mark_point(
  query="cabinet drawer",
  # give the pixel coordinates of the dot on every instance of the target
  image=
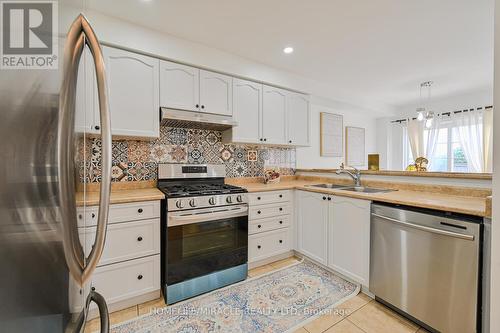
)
(268, 244)
(120, 212)
(269, 197)
(125, 241)
(273, 223)
(128, 279)
(264, 211)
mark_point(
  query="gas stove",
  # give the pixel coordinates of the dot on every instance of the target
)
(197, 186)
(204, 230)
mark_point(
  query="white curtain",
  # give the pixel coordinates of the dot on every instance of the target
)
(488, 139)
(470, 132)
(432, 138)
(423, 140)
(415, 130)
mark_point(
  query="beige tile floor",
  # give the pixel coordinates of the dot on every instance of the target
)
(360, 314)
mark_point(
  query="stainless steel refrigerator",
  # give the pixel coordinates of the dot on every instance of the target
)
(45, 273)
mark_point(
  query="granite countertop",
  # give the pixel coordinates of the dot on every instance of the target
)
(91, 198)
(471, 205)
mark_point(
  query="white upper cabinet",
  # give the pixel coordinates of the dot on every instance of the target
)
(247, 111)
(133, 88)
(216, 93)
(312, 225)
(87, 103)
(349, 238)
(274, 115)
(180, 86)
(298, 119)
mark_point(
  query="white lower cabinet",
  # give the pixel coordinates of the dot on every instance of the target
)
(268, 244)
(312, 225)
(335, 231)
(349, 238)
(128, 279)
(269, 225)
(129, 269)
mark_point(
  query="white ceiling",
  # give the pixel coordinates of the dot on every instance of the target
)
(373, 49)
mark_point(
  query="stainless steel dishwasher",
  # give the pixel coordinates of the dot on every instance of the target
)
(426, 264)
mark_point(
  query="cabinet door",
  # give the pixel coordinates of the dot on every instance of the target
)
(247, 111)
(180, 86)
(133, 86)
(273, 115)
(86, 103)
(216, 93)
(297, 119)
(312, 224)
(349, 238)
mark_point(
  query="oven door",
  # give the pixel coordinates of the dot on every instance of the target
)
(204, 241)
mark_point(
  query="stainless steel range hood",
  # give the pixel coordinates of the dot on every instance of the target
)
(198, 120)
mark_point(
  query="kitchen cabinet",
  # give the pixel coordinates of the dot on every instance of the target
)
(247, 112)
(269, 226)
(274, 115)
(312, 225)
(129, 269)
(179, 86)
(189, 88)
(335, 231)
(133, 95)
(216, 93)
(349, 238)
(133, 88)
(297, 118)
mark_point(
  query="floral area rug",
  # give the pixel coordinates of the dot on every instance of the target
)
(279, 301)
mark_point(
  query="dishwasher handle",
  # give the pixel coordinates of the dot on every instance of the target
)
(424, 228)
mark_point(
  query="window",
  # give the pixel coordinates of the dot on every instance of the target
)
(448, 154)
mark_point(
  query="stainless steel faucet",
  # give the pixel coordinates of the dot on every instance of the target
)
(356, 175)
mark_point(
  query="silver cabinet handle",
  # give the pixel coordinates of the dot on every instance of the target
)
(424, 228)
(79, 35)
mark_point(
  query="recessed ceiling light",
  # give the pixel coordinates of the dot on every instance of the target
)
(288, 49)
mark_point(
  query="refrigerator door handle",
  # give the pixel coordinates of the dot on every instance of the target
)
(80, 34)
(99, 300)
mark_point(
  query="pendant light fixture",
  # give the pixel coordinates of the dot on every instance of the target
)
(423, 113)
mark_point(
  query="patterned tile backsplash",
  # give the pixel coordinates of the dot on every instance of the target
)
(137, 160)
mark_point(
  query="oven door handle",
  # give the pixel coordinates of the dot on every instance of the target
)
(178, 218)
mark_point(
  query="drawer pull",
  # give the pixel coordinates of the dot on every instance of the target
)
(139, 277)
(281, 222)
(140, 210)
(281, 195)
(324, 198)
(281, 241)
(93, 215)
(258, 198)
(281, 209)
(329, 199)
(258, 212)
(80, 216)
(258, 246)
(139, 239)
(93, 288)
(259, 226)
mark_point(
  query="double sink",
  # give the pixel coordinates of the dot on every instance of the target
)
(361, 189)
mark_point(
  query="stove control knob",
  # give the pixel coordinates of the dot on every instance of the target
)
(229, 199)
(211, 201)
(179, 204)
(192, 203)
(239, 198)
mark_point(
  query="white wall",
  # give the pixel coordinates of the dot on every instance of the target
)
(495, 225)
(309, 157)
